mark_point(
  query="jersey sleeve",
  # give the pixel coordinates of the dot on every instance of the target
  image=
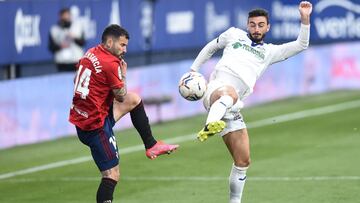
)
(210, 48)
(224, 37)
(284, 51)
(113, 75)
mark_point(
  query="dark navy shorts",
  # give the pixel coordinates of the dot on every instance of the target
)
(102, 144)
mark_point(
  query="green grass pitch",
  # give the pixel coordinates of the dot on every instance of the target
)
(314, 158)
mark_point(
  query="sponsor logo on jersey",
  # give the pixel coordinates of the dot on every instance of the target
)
(79, 111)
(256, 52)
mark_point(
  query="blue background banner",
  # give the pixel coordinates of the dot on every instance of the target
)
(166, 25)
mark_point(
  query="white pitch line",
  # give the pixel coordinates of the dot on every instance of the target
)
(305, 113)
(189, 178)
(83, 159)
(180, 139)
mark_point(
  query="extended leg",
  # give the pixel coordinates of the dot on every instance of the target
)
(221, 100)
(237, 143)
(133, 104)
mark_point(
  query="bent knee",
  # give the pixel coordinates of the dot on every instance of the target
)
(133, 99)
(113, 174)
(113, 177)
(243, 162)
(222, 91)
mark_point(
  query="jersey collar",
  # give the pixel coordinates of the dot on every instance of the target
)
(254, 44)
(103, 49)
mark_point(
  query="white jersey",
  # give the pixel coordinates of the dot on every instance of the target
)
(245, 59)
(73, 52)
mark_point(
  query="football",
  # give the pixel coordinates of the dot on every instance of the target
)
(192, 86)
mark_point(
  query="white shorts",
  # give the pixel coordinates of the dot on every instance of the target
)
(233, 118)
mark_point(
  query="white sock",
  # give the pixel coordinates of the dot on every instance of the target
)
(218, 108)
(237, 181)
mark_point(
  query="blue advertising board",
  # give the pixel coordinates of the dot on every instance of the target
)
(31, 111)
(163, 25)
(331, 20)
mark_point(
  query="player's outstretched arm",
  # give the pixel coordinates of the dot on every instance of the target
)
(287, 50)
(305, 9)
(204, 55)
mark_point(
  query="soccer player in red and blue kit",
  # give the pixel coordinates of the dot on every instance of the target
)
(100, 100)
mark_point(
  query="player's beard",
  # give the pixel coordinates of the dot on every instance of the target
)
(257, 40)
(120, 54)
(65, 23)
(116, 52)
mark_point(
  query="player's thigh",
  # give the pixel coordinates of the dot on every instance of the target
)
(221, 91)
(131, 100)
(238, 145)
(102, 144)
(221, 83)
(215, 90)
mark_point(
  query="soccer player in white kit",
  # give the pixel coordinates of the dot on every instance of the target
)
(245, 58)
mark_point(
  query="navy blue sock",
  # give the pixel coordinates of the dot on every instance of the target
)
(105, 190)
(141, 123)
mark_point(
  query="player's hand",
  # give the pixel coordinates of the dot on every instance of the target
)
(70, 36)
(305, 8)
(123, 67)
(64, 45)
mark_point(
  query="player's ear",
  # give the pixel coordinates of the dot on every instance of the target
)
(268, 28)
(109, 42)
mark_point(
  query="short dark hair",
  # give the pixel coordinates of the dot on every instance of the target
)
(259, 12)
(114, 31)
(64, 10)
